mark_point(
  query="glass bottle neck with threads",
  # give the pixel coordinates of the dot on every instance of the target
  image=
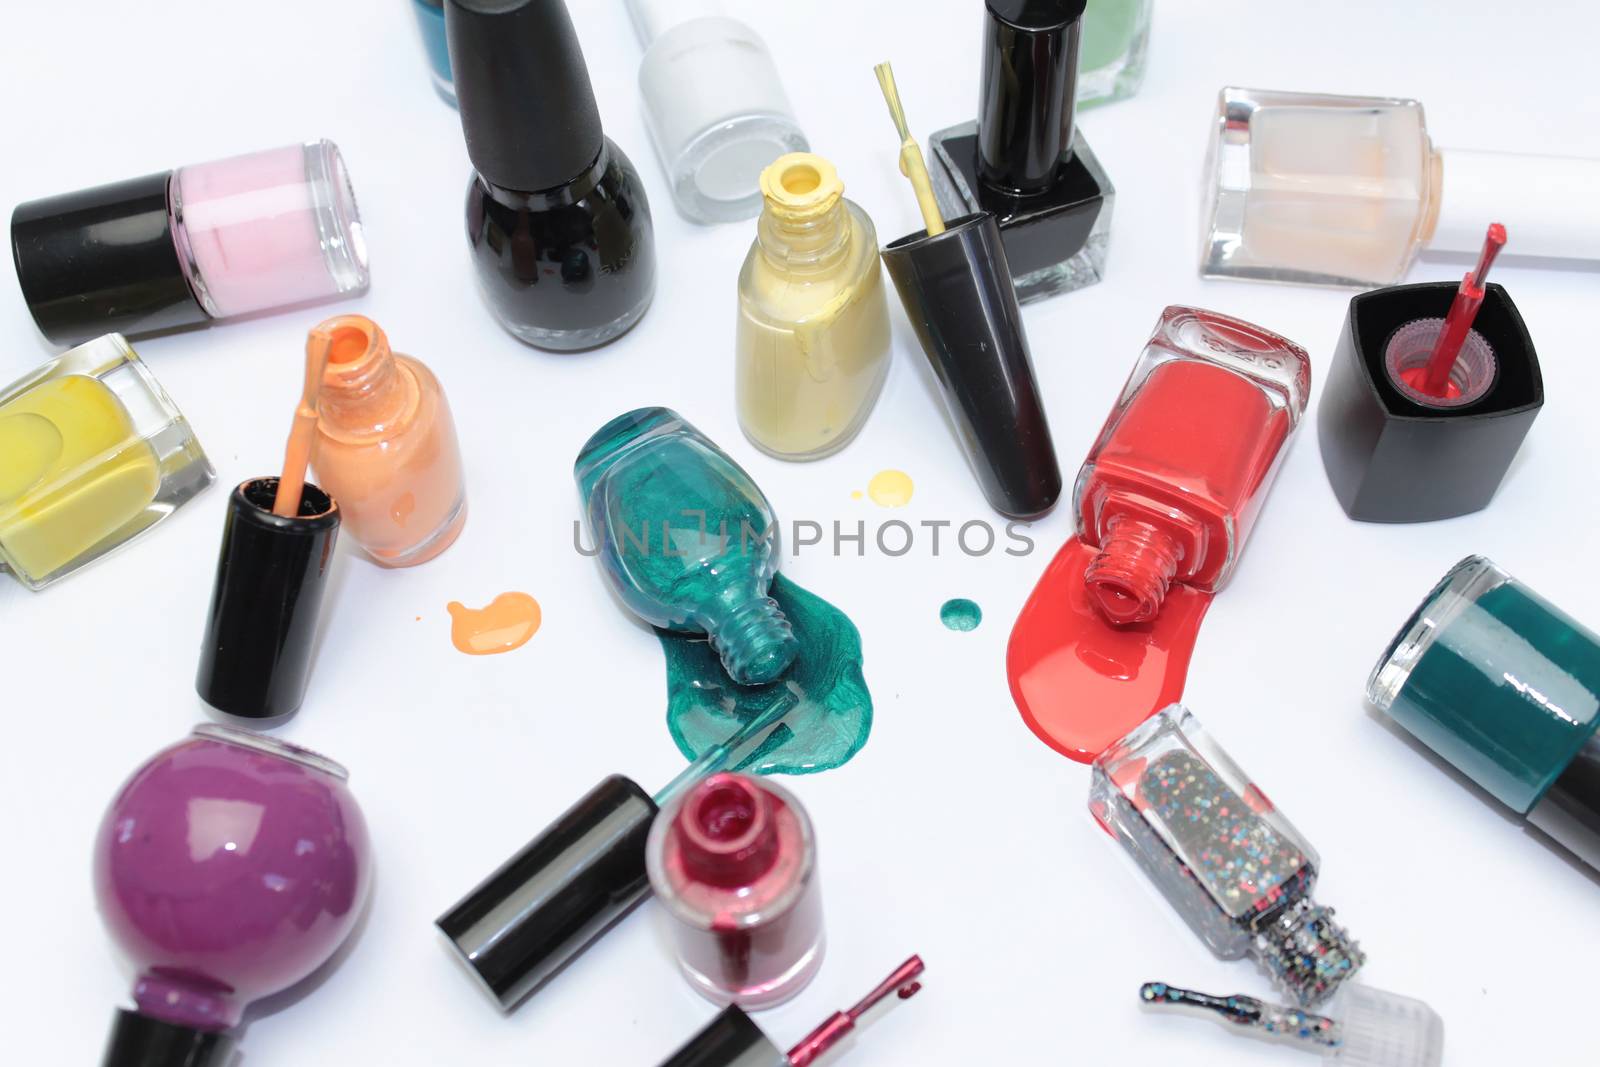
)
(804, 226)
(364, 389)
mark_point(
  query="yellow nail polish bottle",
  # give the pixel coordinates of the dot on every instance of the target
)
(813, 340)
(92, 453)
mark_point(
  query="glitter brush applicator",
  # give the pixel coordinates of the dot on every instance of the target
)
(277, 552)
(955, 283)
(582, 875)
(1361, 1027)
(732, 1039)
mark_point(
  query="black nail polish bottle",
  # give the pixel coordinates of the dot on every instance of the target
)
(556, 215)
(1023, 160)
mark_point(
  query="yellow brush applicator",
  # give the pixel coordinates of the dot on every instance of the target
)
(911, 164)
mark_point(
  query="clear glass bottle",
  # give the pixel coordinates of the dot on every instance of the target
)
(812, 350)
(686, 538)
(386, 447)
(734, 862)
(1173, 486)
(1116, 38)
(715, 106)
(1346, 190)
(1234, 868)
(92, 453)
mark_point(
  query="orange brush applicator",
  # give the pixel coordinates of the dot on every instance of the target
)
(297, 456)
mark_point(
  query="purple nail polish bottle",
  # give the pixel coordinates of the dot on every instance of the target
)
(229, 867)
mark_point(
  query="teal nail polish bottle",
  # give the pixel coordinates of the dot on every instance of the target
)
(1506, 687)
(430, 20)
(686, 538)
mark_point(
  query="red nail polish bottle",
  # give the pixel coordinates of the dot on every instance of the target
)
(1175, 481)
(735, 862)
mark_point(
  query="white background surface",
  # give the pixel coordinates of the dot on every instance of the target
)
(954, 833)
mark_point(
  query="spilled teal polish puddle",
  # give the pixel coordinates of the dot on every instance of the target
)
(828, 725)
(960, 614)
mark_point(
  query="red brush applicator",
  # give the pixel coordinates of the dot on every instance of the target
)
(1447, 378)
(733, 1040)
(1469, 298)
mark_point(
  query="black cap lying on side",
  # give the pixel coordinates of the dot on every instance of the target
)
(557, 896)
(957, 292)
(729, 1040)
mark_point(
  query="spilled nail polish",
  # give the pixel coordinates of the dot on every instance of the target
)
(834, 714)
(507, 623)
(890, 489)
(960, 614)
(1081, 684)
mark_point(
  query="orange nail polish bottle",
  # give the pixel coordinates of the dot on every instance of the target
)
(386, 447)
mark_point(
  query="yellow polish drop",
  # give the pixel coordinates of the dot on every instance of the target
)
(507, 623)
(890, 489)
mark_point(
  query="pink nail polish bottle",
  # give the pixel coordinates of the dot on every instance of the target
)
(182, 247)
(734, 861)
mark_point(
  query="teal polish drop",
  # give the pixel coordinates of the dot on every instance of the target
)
(1507, 685)
(960, 614)
(827, 727)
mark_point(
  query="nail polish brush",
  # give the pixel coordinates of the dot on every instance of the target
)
(277, 551)
(1361, 1027)
(732, 1039)
(297, 456)
(1458, 366)
(583, 874)
(956, 286)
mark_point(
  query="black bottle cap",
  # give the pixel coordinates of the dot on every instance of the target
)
(1028, 92)
(1569, 811)
(1391, 459)
(527, 107)
(729, 1040)
(140, 1041)
(102, 260)
(555, 898)
(957, 292)
(255, 656)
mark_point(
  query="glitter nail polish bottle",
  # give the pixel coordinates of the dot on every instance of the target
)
(1220, 852)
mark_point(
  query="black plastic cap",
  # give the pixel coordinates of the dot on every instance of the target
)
(556, 897)
(729, 1040)
(102, 260)
(1569, 811)
(255, 657)
(1028, 92)
(527, 107)
(1390, 459)
(140, 1041)
(957, 292)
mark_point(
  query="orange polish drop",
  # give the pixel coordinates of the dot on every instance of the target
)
(507, 623)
